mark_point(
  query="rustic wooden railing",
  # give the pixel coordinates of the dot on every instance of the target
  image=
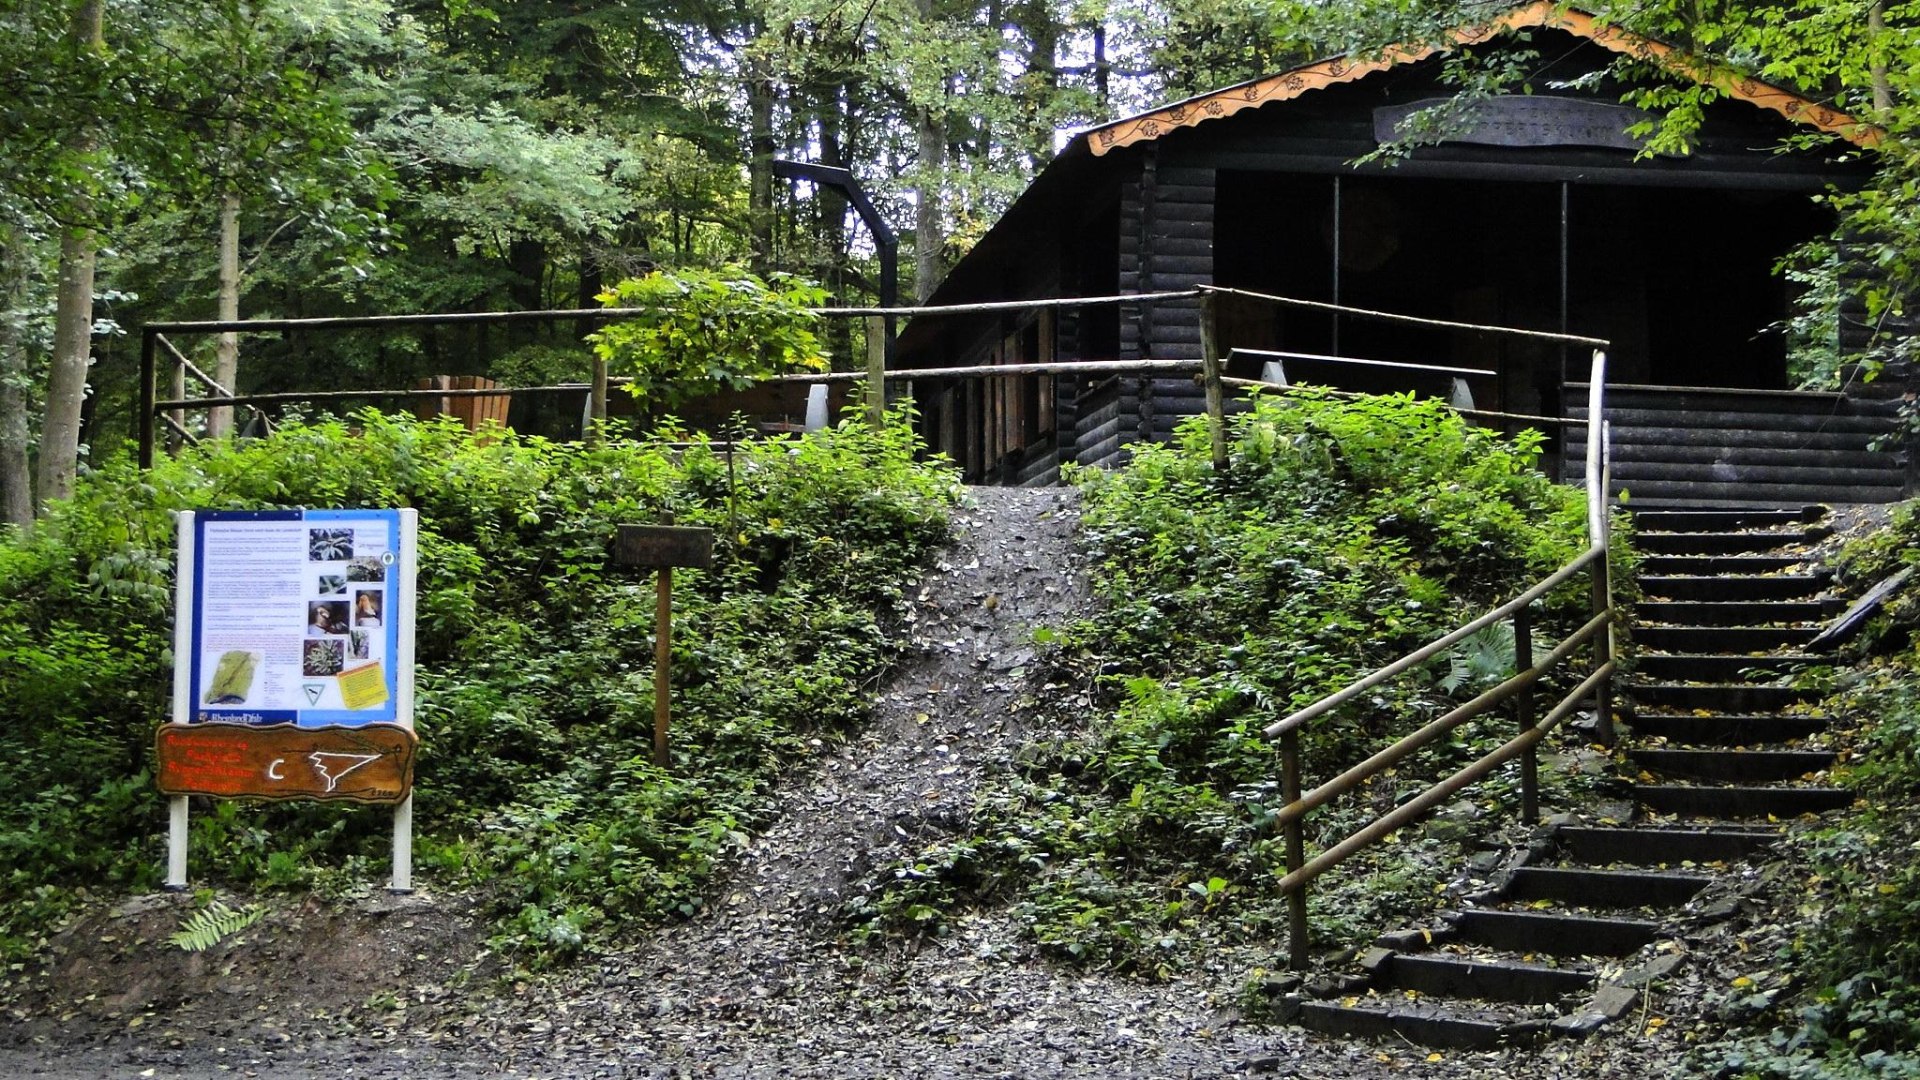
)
(1596, 631)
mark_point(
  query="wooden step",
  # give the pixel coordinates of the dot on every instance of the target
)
(1720, 697)
(1720, 729)
(1724, 639)
(1726, 587)
(1552, 933)
(1727, 543)
(1720, 667)
(1660, 845)
(1735, 766)
(1421, 1024)
(1481, 980)
(1734, 802)
(1647, 521)
(1736, 612)
(1603, 888)
(1703, 565)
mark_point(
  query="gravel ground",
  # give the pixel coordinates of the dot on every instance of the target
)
(762, 983)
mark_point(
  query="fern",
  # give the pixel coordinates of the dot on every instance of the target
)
(213, 924)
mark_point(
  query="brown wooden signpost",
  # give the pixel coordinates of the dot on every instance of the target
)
(661, 548)
(372, 763)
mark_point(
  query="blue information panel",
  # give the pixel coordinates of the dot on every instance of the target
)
(295, 616)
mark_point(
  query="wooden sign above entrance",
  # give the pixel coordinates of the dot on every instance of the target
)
(656, 547)
(372, 763)
(1525, 120)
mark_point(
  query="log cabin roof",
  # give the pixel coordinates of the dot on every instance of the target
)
(1542, 14)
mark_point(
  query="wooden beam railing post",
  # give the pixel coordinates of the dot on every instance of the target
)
(1210, 374)
(1295, 832)
(876, 371)
(597, 402)
(1523, 711)
(147, 420)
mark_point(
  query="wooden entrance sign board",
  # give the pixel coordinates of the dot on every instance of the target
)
(372, 763)
(660, 548)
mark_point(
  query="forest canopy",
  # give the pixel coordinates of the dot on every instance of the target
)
(184, 159)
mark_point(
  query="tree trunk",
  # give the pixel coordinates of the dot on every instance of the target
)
(930, 139)
(73, 305)
(16, 477)
(226, 356)
(760, 162)
(928, 238)
(67, 377)
(1877, 44)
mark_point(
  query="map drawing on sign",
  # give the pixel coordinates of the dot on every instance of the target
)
(334, 766)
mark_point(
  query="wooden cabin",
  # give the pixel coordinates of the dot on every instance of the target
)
(1544, 215)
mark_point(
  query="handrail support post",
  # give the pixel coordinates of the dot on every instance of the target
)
(1523, 712)
(1295, 831)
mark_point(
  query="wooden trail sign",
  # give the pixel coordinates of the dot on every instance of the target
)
(660, 548)
(372, 763)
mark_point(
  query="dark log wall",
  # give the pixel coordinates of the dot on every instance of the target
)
(1166, 245)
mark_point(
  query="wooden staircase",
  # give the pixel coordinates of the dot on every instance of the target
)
(1571, 932)
(1693, 446)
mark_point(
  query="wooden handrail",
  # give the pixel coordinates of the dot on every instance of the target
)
(1411, 810)
(1431, 649)
(1518, 688)
(1433, 729)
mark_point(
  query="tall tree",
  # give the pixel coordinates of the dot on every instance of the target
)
(73, 313)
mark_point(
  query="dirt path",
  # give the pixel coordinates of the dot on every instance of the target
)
(762, 983)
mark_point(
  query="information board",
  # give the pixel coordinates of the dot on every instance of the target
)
(295, 617)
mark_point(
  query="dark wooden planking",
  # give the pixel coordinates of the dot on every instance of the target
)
(1796, 441)
(1624, 451)
(1811, 474)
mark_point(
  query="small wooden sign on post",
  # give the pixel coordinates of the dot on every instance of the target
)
(660, 548)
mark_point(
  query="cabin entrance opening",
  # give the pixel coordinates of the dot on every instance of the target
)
(1679, 278)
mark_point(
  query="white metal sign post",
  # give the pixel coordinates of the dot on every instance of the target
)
(293, 665)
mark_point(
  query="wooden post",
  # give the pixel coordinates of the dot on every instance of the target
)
(662, 660)
(1523, 712)
(147, 396)
(1210, 368)
(1297, 957)
(876, 371)
(660, 548)
(597, 402)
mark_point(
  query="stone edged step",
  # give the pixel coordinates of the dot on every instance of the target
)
(1422, 1025)
(1648, 521)
(1734, 766)
(1722, 639)
(1603, 888)
(1733, 612)
(1725, 587)
(1720, 667)
(1660, 845)
(1481, 980)
(1720, 697)
(1553, 934)
(1735, 801)
(1705, 565)
(1721, 729)
(1726, 543)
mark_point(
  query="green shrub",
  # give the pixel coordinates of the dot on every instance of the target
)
(535, 661)
(1343, 534)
